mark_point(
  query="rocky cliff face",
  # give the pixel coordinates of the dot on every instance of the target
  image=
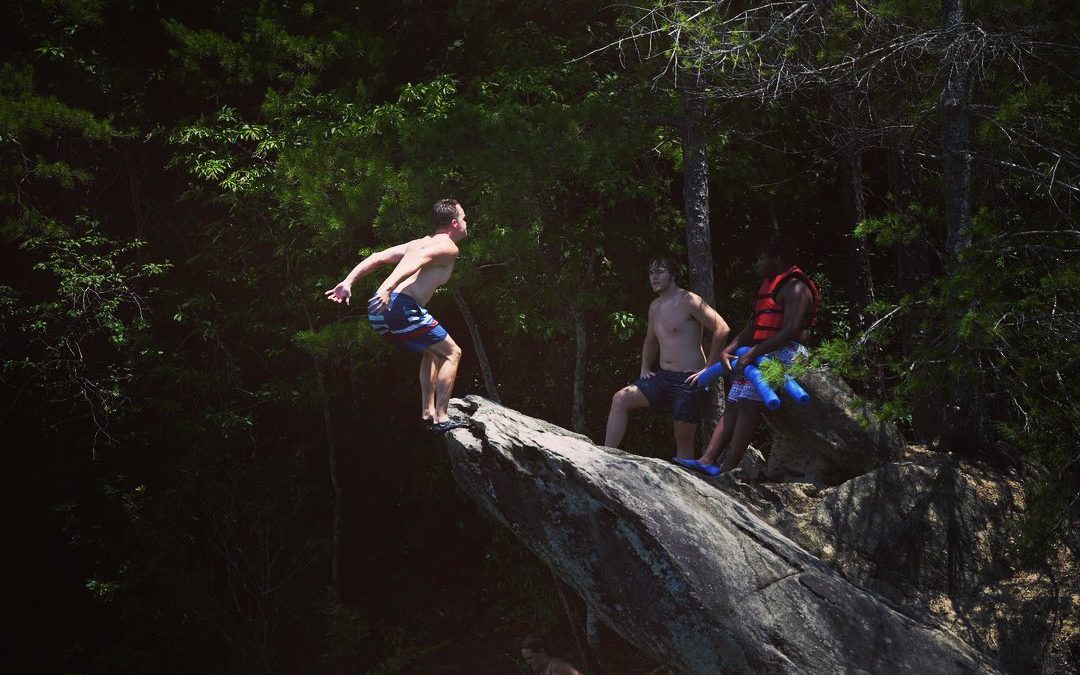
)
(696, 571)
(931, 535)
(835, 437)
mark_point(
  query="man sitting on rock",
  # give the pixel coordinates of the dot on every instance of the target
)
(673, 335)
(785, 308)
(539, 661)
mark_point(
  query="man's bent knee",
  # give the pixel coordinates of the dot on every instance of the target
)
(619, 398)
(628, 397)
(447, 350)
(454, 354)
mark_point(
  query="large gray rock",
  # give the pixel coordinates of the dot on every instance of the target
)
(834, 437)
(909, 529)
(678, 567)
(933, 536)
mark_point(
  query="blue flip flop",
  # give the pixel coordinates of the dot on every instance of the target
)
(687, 463)
(708, 469)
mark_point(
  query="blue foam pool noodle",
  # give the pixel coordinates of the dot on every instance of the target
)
(768, 396)
(710, 374)
(795, 392)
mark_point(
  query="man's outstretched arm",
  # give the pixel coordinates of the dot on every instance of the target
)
(389, 256)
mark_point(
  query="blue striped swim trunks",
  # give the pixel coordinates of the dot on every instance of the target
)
(742, 388)
(405, 323)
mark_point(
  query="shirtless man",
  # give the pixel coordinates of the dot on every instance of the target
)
(539, 661)
(397, 308)
(676, 319)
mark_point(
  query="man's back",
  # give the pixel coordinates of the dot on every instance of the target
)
(433, 273)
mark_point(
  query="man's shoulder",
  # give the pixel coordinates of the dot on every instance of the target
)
(795, 283)
(439, 244)
(561, 667)
(690, 298)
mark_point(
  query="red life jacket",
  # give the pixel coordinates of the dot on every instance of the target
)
(769, 314)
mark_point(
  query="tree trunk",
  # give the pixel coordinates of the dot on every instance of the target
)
(581, 345)
(589, 660)
(860, 281)
(331, 448)
(696, 208)
(955, 135)
(696, 190)
(578, 423)
(912, 271)
(478, 346)
(964, 416)
(860, 278)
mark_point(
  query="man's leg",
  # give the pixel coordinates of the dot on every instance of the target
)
(721, 435)
(427, 386)
(446, 356)
(624, 400)
(745, 426)
(684, 439)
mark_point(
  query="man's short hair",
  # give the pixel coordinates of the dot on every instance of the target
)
(665, 262)
(534, 645)
(444, 211)
(780, 245)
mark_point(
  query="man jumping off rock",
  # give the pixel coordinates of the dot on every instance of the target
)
(397, 308)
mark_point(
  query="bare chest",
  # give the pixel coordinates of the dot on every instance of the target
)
(675, 321)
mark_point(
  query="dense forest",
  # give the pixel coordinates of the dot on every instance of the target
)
(212, 469)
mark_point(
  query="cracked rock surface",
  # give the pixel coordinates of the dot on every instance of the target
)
(680, 568)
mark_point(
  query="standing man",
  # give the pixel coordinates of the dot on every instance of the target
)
(397, 308)
(784, 311)
(539, 661)
(676, 319)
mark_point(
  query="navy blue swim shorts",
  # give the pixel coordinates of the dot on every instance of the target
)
(668, 386)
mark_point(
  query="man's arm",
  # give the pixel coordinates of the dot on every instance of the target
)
(742, 338)
(389, 256)
(650, 349)
(415, 258)
(711, 321)
(796, 299)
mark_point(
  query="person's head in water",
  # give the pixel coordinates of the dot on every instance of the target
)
(661, 273)
(535, 653)
(448, 216)
(776, 254)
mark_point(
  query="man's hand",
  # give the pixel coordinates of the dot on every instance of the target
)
(745, 360)
(645, 372)
(692, 380)
(728, 355)
(339, 293)
(383, 294)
